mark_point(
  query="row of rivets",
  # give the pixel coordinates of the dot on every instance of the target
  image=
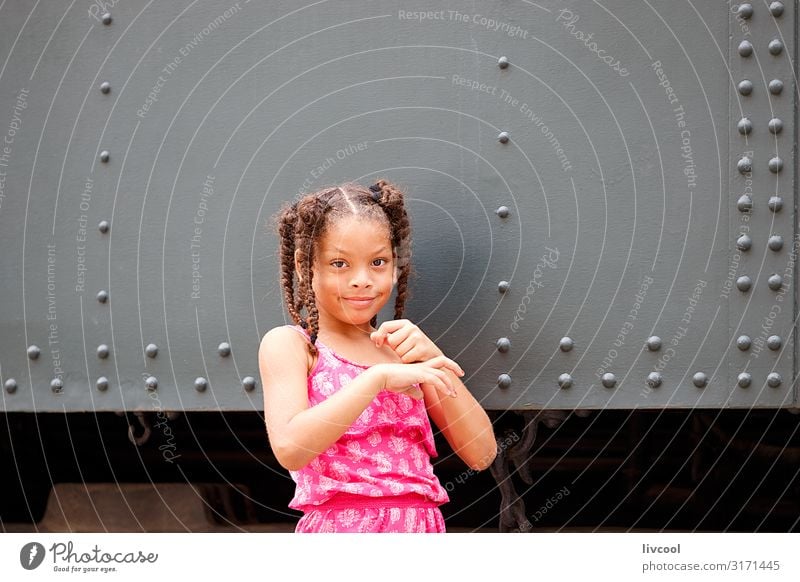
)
(745, 86)
(224, 349)
(745, 126)
(653, 343)
(745, 379)
(745, 203)
(745, 283)
(774, 342)
(565, 344)
(654, 380)
(151, 383)
(744, 242)
(745, 165)
(745, 10)
(775, 47)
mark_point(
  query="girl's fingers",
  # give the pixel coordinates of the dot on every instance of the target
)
(445, 362)
(444, 385)
(393, 328)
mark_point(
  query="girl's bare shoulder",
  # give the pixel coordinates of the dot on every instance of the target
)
(284, 344)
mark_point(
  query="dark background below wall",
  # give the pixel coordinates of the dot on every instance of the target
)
(612, 470)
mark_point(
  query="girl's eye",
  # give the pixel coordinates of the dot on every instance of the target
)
(379, 262)
(338, 264)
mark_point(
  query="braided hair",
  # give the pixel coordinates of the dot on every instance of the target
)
(303, 223)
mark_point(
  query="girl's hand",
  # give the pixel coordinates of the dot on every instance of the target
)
(400, 377)
(405, 338)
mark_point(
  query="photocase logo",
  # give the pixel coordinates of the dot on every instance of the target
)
(31, 555)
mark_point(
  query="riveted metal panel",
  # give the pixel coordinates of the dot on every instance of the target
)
(584, 154)
(760, 286)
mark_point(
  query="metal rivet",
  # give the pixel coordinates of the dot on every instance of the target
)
(609, 380)
(744, 242)
(745, 48)
(503, 286)
(503, 137)
(504, 380)
(774, 342)
(654, 379)
(151, 383)
(565, 381)
(775, 242)
(200, 384)
(775, 281)
(102, 383)
(102, 351)
(745, 203)
(744, 379)
(566, 344)
(224, 349)
(104, 156)
(744, 283)
(103, 226)
(700, 379)
(775, 46)
(743, 342)
(102, 296)
(10, 385)
(249, 383)
(745, 165)
(775, 86)
(502, 212)
(105, 87)
(33, 352)
(107, 18)
(745, 87)
(775, 165)
(503, 344)
(502, 62)
(745, 126)
(775, 125)
(775, 203)
(776, 9)
(745, 11)
(774, 379)
(151, 350)
(654, 343)
(57, 385)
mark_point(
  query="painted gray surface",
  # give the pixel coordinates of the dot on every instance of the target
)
(614, 220)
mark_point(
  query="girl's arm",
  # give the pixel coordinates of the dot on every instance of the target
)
(462, 420)
(464, 424)
(299, 433)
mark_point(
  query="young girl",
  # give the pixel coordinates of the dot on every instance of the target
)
(346, 405)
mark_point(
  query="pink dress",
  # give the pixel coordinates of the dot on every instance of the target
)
(378, 476)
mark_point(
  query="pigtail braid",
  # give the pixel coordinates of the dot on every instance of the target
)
(392, 200)
(286, 227)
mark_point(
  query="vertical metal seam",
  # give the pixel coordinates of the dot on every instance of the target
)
(794, 70)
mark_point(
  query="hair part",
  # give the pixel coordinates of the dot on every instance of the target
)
(302, 224)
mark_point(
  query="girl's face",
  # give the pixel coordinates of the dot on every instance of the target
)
(354, 272)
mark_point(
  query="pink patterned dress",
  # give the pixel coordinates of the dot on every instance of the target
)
(378, 476)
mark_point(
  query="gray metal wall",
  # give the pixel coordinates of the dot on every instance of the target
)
(620, 137)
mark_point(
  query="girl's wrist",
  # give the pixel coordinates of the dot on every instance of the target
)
(375, 380)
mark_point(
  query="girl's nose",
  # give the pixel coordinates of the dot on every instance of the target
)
(361, 278)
